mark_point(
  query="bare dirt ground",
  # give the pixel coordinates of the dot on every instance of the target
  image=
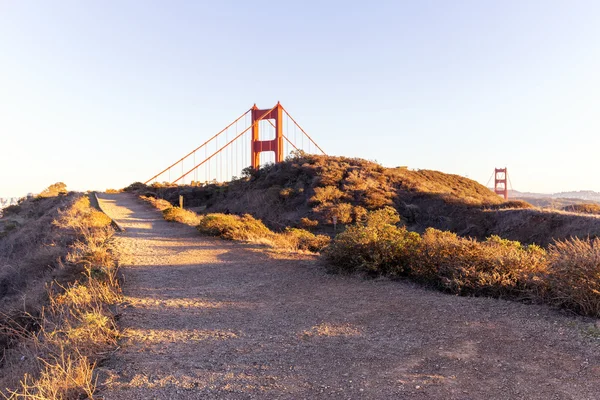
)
(206, 318)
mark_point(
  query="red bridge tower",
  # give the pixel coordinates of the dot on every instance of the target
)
(275, 145)
(501, 182)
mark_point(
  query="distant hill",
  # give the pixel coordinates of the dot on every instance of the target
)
(587, 195)
(557, 200)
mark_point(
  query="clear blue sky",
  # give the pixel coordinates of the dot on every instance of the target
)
(100, 94)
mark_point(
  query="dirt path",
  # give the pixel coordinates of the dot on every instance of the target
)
(208, 318)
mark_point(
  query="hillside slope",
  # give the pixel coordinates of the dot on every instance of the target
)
(324, 188)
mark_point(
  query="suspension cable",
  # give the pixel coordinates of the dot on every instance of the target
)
(197, 148)
(303, 131)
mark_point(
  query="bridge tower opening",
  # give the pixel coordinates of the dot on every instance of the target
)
(501, 182)
(275, 145)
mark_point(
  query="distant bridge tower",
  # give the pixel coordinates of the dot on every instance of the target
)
(501, 182)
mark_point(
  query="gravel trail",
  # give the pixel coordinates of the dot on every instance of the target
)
(211, 319)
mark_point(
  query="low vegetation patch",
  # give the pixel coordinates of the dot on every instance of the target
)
(234, 227)
(160, 204)
(176, 214)
(244, 227)
(51, 354)
(566, 275)
(587, 208)
(520, 204)
(248, 228)
(301, 239)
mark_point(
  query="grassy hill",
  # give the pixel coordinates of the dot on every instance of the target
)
(312, 191)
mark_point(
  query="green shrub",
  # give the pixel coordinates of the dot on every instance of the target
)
(233, 227)
(375, 246)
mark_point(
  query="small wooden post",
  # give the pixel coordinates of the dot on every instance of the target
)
(180, 201)
(334, 223)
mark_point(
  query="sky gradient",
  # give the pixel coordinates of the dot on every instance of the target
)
(102, 94)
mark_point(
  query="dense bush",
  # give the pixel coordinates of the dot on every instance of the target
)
(326, 194)
(308, 223)
(566, 275)
(376, 245)
(233, 227)
(177, 214)
(459, 265)
(300, 239)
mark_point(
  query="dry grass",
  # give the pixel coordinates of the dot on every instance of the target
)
(494, 267)
(76, 327)
(234, 227)
(160, 204)
(62, 378)
(586, 208)
(566, 275)
(301, 239)
(573, 278)
(244, 228)
(332, 330)
(176, 214)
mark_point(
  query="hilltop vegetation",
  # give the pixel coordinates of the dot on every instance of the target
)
(310, 191)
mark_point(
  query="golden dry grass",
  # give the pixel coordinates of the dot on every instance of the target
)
(62, 378)
(160, 204)
(176, 214)
(76, 327)
(587, 208)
